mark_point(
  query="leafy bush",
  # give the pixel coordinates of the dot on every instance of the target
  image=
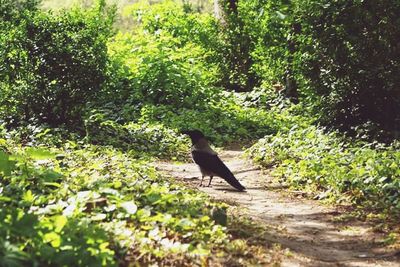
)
(160, 61)
(366, 173)
(236, 49)
(180, 21)
(223, 121)
(93, 206)
(13, 11)
(52, 65)
(348, 51)
(160, 72)
(337, 56)
(148, 138)
(227, 44)
(168, 81)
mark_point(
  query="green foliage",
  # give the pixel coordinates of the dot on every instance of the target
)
(268, 27)
(180, 21)
(348, 51)
(236, 49)
(159, 79)
(341, 54)
(365, 173)
(185, 26)
(222, 121)
(160, 72)
(52, 65)
(95, 201)
(227, 45)
(88, 205)
(339, 57)
(13, 11)
(149, 138)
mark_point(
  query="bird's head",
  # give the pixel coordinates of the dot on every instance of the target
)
(195, 135)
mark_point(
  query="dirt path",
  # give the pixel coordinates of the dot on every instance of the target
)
(304, 226)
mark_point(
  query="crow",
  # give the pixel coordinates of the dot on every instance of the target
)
(209, 162)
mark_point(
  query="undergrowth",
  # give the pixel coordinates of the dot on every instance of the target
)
(91, 205)
(311, 158)
(84, 110)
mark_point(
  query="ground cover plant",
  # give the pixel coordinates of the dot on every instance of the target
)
(86, 107)
(90, 205)
(366, 174)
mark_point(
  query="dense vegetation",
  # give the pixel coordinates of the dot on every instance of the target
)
(85, 108)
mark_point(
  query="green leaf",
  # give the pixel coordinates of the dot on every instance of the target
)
(280, 15)
(52, 184)
(53, 238)
(50, 176)
(5, 199)
(59, 222)
(5, 164)
(129, 206)
(28, 196)
(25, 225)
(39, 153)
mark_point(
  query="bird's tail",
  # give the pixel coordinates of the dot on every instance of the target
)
(231, 179)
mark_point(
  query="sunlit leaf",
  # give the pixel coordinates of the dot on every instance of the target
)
(280, 14)
(39, 153)
(28, 196)
(59, 223)
(129, 206)
(53, 238)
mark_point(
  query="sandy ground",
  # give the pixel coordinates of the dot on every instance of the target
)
(309, 229)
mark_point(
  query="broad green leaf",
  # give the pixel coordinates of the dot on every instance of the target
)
(59, 222)
(28, 196)
(52, 184)
(53, 238)
(5, 199)
(280, 15)
(5, 164)
(39, 153)
(129, 206)
(50, 176)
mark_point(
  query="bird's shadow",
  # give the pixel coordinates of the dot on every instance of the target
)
(231, 189)
(255, 188)
(227, 189)
(235, 190)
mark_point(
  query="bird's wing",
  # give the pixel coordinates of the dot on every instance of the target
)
(214, 164)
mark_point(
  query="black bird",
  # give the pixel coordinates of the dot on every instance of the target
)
(209, 162)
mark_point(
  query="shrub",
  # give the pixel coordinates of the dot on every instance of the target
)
(348, 51)
(227, 44)
(365, 173)
(141, 139)
(160, 72)
(93, 206)
(13, 11)
(224, 120)
(53, 65)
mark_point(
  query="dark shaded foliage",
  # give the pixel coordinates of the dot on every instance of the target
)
(339, 57)
(15, 10)
(352, 62)
(52, 65)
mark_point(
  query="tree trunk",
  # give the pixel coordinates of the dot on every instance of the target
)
(233, 6)
(217, 10)
(291, 87)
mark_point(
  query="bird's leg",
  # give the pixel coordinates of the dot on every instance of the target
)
(209, 183)
(201, 183)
